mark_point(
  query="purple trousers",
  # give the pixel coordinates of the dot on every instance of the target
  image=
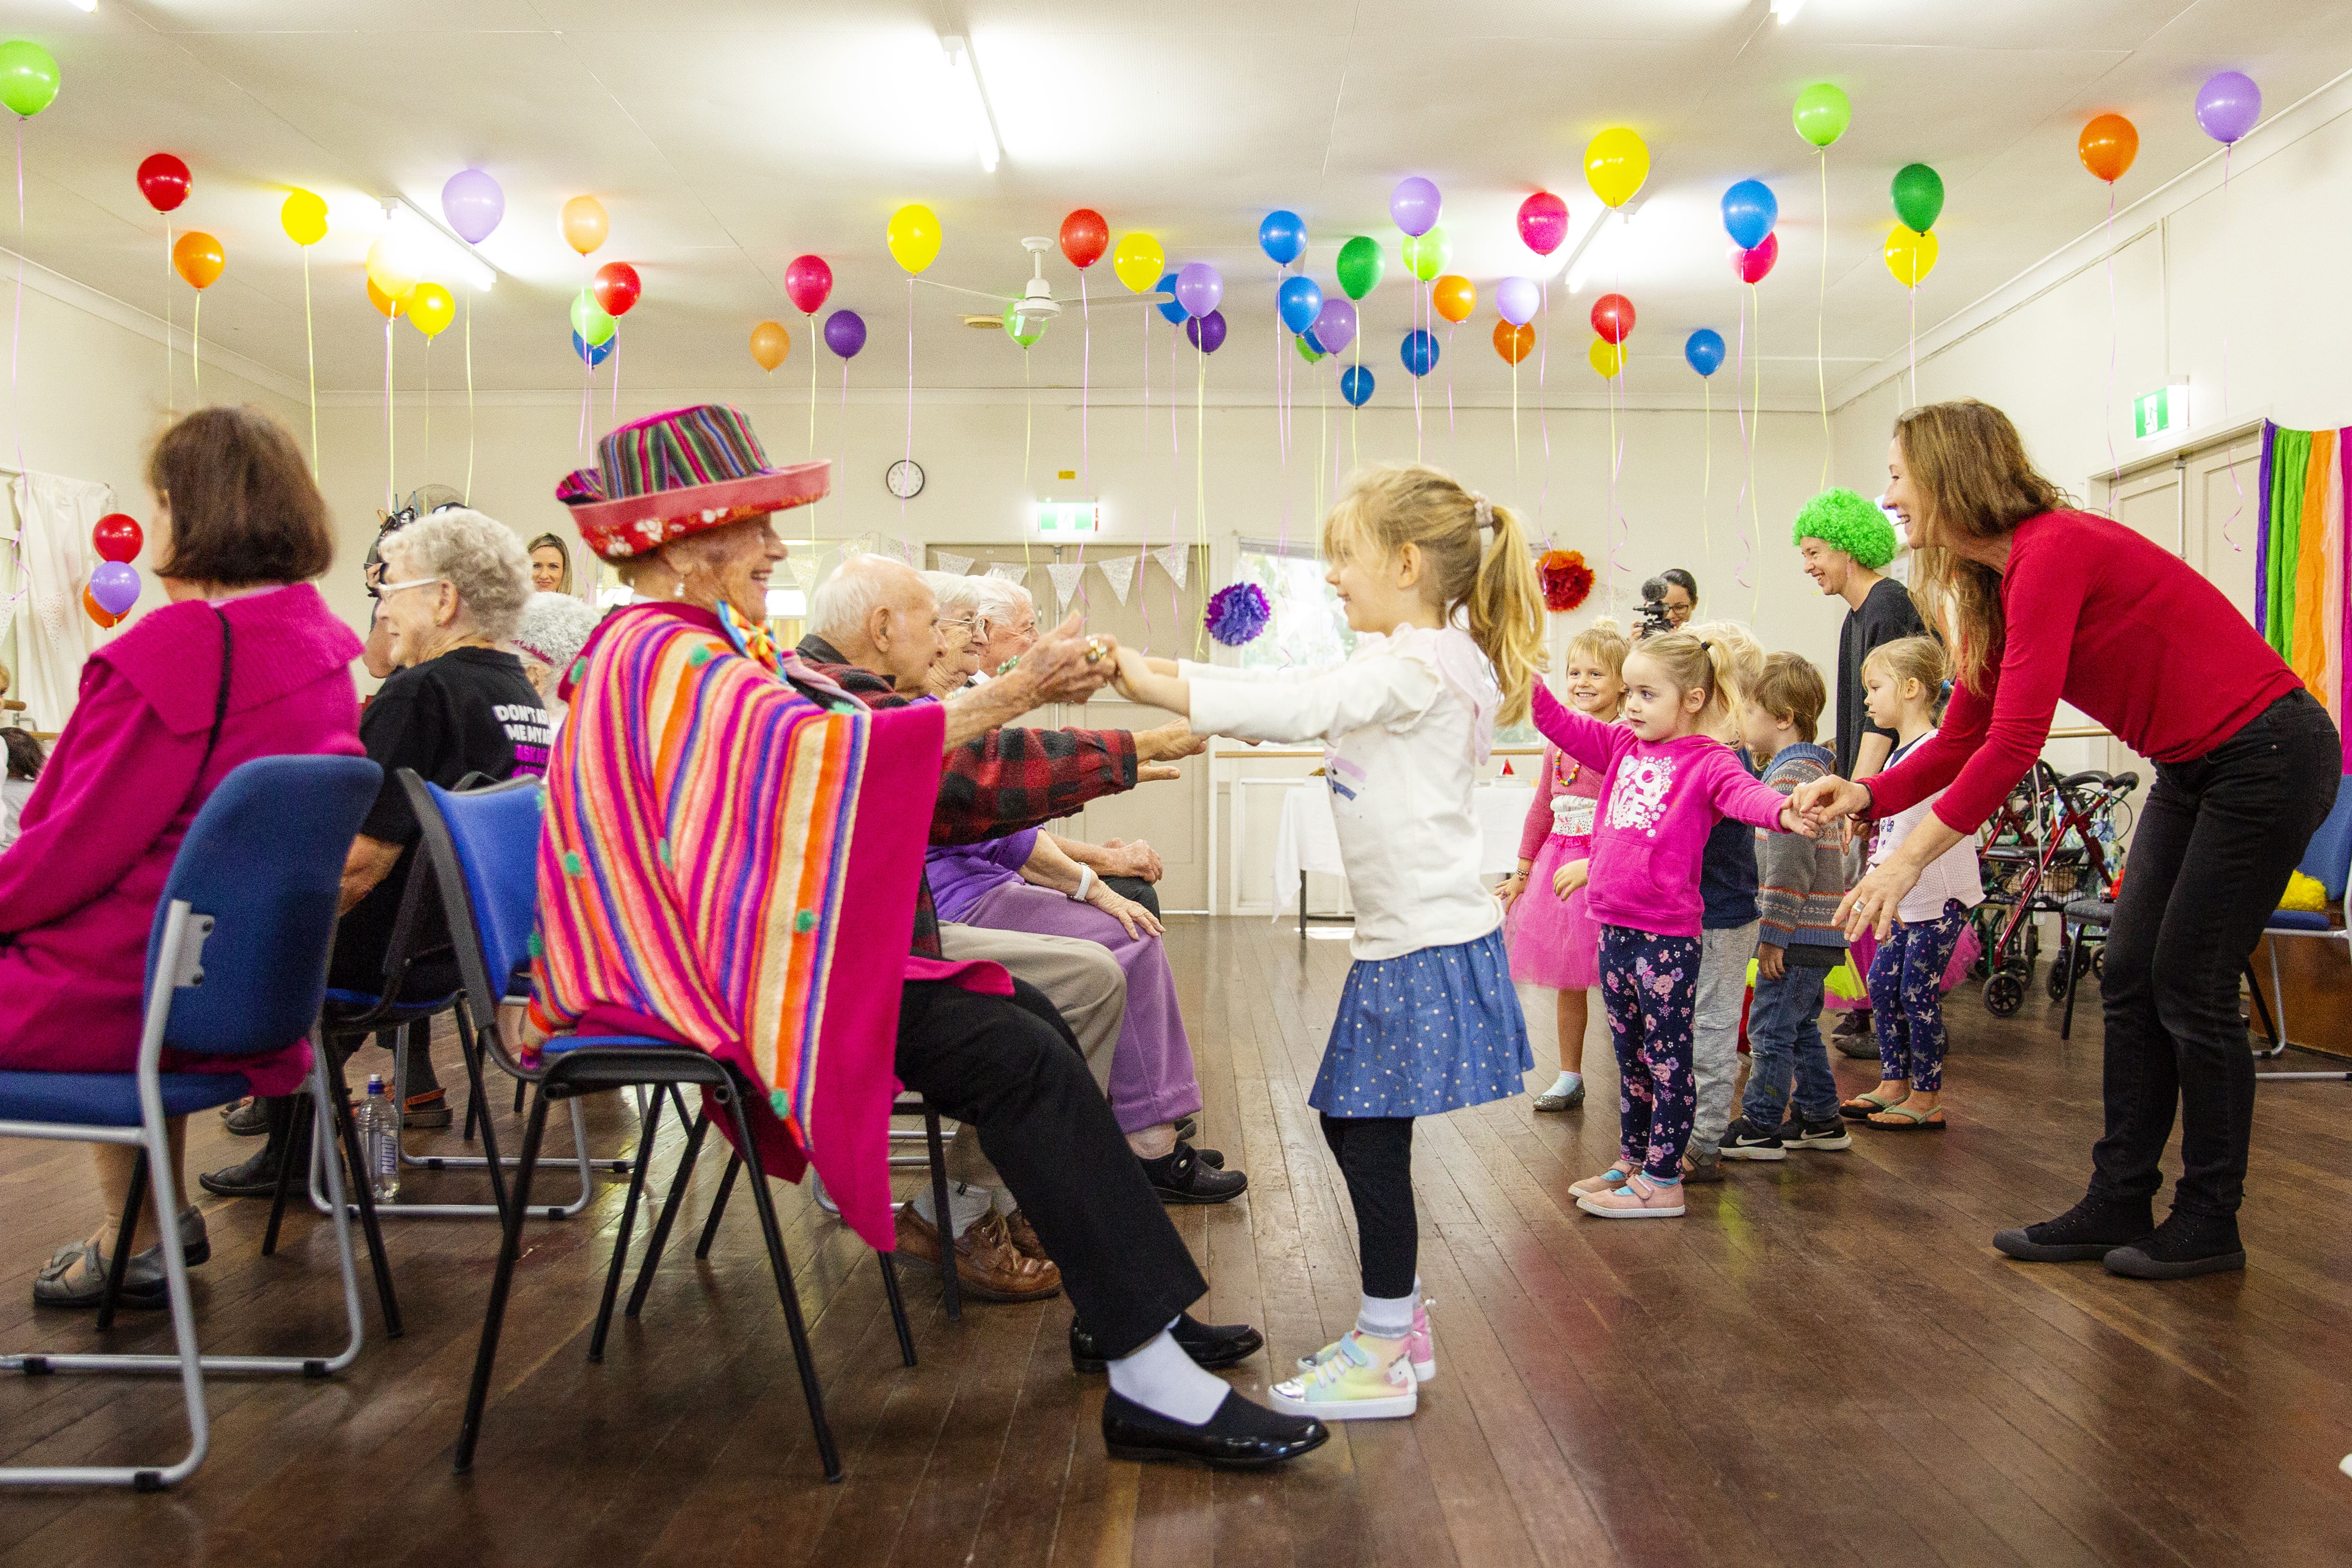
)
(1151, 1077)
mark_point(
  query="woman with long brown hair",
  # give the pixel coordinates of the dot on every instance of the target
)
(2040, 602)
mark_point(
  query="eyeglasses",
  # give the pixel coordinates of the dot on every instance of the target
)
(386, 590)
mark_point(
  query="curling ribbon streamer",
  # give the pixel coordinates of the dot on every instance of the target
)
(470, 398)
(1821, 312)
(2115, 466)
(910, 401)
(2229, 524)
(1739, 412)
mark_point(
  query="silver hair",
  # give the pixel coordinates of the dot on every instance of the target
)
(554, 628)
(956, 594)
(480, 556)
(844, 602)
(1000, 602)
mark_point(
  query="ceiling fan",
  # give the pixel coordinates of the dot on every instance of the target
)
(1037, 303)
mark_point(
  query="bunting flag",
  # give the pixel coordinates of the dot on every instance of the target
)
(1009, 574)
(953, 566)
(1119, 572)
(851, 547)
(1175, 560)
(1066, 575)
(2299, 558)
(803, 572)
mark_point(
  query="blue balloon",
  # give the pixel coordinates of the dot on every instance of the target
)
(1355, 386)
(1301, 301)
(1419, 351)
(1313, 341)
(1749, 211)
(1704, 350)
(592, 352)
(1172, 312)
(1283, 237)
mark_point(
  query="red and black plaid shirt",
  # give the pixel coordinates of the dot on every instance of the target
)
(997, 784)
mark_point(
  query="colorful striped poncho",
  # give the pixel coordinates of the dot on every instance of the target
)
(712, 836)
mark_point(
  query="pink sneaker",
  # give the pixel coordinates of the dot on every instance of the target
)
(1608, 1181)
(1639, 1198)
(1419, 1348)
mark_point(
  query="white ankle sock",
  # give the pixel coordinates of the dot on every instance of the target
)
(1564, 1082)
(967, 1205)
(1163, 1379)
(1388, 1317)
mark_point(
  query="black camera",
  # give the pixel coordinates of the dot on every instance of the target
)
(1652, 617)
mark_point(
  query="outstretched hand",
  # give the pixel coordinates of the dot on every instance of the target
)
(1068, 666)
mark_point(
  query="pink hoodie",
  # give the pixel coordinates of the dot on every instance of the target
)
(1659, 802)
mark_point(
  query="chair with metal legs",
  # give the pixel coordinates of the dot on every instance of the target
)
(236, 966)
(483, 847)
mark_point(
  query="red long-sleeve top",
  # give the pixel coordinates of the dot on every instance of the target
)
(2112, 622)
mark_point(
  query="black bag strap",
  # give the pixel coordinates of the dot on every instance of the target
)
(220, 702)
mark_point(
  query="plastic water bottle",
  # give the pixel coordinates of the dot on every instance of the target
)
(380, 1139)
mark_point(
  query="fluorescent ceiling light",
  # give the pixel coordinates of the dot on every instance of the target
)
(434, 251)
(787, 605)
(1584, 257)
(1787, 10)
(967, 88)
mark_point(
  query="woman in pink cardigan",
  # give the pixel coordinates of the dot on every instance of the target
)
(239, 532)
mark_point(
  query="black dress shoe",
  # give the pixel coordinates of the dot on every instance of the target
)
(1240, 1437)
(1211, 1346)
(257, 1177)
(1183, 1177)
(250, 1119)
(2183, 1246)
(2091, 1229)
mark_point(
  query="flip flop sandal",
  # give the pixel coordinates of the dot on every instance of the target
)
(1913, 1120)
(1863, 1107)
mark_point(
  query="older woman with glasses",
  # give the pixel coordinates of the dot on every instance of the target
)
(960, 603)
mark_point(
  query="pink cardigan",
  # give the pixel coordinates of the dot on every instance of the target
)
(77, 889)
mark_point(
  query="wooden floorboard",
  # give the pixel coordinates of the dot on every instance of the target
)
(1826, 1363)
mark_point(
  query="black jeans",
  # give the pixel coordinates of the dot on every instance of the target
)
(2215, 843)
(1009, 1066)
(1375, 1155)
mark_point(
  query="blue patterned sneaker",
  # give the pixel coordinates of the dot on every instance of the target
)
(1352, 1385)
(1419, 1348)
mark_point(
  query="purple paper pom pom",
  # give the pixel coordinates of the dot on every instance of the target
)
(1237, 613)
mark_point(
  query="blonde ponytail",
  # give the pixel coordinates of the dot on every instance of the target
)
(1506, 614)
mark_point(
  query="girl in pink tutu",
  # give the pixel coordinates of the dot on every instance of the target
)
(1554, 942)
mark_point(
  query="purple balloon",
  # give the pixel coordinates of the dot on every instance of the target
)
(115, 586)
(1198, 287)
(1207, 332)
(1334, 325)
(473, 204)
(1413, 203)
(845, 334)
(1516, 300)
(2228, 105)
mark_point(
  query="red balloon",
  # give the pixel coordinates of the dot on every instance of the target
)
(164, 180)
(1085, 236)
(116, 537)
(617, 287)
(1612, 317)
(1543, 222)
(807, 281)
(1754, 266)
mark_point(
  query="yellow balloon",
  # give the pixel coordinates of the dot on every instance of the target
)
(1608, 359)
(304, 216)
(1616, 161)
(432, 310)
(394, 275)
(1138, 262)
(1910, 256)
(913, 236)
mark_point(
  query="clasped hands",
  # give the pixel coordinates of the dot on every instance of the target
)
(1066, 665)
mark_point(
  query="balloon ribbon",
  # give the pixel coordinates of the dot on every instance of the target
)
(469, 399)
(311, 348)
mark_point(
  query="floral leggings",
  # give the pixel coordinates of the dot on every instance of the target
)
(1649, 986)
(1907, 997)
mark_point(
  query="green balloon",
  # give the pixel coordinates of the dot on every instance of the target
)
(1822, 114)
(28, 77)
(589, 320)
(1014, 320)
(1425, 255)
(1305, 350)
(1919, 196)
(1360, 266)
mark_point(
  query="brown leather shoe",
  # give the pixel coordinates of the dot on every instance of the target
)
(1024, 1236)
(988, 1264)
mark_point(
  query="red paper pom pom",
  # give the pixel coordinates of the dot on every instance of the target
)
(1567, 580)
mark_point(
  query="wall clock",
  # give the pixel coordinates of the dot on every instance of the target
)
(905, 478)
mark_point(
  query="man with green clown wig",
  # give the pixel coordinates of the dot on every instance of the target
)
(1844, 540)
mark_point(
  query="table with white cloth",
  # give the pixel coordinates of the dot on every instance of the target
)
(1308, 840)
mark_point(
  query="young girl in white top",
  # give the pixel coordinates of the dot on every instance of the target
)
(1440, 585)
(1901, 681)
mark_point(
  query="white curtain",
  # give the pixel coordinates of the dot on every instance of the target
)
(54, 635)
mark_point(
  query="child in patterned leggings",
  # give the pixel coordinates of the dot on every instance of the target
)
(1664, 785)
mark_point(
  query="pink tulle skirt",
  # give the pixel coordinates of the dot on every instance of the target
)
(1554, 942)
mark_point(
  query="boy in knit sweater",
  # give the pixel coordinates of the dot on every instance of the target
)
(1799, 881)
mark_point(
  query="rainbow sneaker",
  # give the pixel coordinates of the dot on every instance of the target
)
(1419, 1348)
(1352, 1385)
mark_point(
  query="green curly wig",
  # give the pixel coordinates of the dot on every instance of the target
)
(1844, 521)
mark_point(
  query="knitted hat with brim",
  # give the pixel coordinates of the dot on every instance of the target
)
(1844, 521)
(686, 472)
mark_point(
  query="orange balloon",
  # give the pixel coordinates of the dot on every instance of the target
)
(2108, 146)
(585, 224)
(1454, 296)
(770, 344)
(383, 301)
(198, 257)
(1514, 343)
(96, 612)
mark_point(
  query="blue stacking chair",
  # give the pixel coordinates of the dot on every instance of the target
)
(2328, 862)
(236, 964)
(484, 848)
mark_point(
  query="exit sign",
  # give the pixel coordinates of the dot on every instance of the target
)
(1067, 518)
(2153, 413)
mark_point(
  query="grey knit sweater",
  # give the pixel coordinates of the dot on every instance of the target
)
(1801, 880)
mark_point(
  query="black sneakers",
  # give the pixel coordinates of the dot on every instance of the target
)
(1801, 1132)
(1745, 1141)
(2092, 1228)
(2184, 1246)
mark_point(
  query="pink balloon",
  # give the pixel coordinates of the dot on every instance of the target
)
(1755, 266)
(1543, 223)
(807, 281)
(1517, 299)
